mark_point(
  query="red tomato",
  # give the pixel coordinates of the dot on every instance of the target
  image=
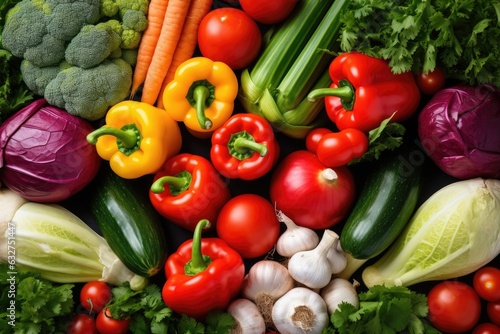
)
(486, 328)
(486, 282)
(313, 138)
(95, 295)
(339, 148)
(249, 225)
(268, 12)
(231, 36)
(493, 311)
(106, 324)
(311, 194)
(431, 82)
(82, 324)
(454, 307)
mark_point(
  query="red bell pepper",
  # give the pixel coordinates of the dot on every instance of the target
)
(365, 91)
(202, 275)
(188, 189)
(244, 147)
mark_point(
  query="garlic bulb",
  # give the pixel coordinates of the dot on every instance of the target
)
(295, 238)
(337, 257)
(300, 311)
(340, 290)
(248, 318)
(314, 268)
(265, 282)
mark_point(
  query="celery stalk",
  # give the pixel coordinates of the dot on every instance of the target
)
(51, 240)
(292, 63)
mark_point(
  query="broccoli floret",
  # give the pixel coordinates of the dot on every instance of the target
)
(134, 20)
(30, 21)
(109, 8)
(139, 5)
(130, 56)
(92, 45)
(37, 78)
(89, 93)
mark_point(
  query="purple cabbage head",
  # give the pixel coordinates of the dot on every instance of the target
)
(460, 131)
(44, 154)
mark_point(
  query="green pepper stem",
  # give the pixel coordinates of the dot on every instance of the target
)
(175, 182)
(344, 92)
(243, 145)
(127, 137)
(199, 262)
(200, 95)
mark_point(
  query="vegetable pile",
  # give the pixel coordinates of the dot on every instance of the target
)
(285, 166)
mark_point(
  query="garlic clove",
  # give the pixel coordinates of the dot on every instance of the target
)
(248, 318)
(340, 290)
(295, 238)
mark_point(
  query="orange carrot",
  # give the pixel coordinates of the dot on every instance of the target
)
(175, 15)
(156, 15)
(188, 41)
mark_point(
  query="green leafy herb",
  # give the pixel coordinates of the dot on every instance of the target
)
(461, 37)
(149, 314)
(384, 310)
(30, 304)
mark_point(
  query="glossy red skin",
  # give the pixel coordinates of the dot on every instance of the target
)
(254, 166)
(454, 307)
(204, 198)
(249, 225)
(108, 325)
(432, 82)
(486, 328)
(486, 282)
(298, 189)
(313, 138)
(208, 290)
(378, 92)
(268, 12)
(231, 36)
(339, 148)
(493, 311)
(82, 324)
(99, 294)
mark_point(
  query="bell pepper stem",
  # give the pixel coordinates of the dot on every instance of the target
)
(345, 91)
(177, 183)
(243, 145)
(198, 262)
(127, 137)
(200, 95)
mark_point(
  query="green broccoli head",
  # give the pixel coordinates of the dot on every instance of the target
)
(35, 29)
(89, 93)
(109, 8)
(139, 5)
(134, 20)
(92, 45)
(37, 78)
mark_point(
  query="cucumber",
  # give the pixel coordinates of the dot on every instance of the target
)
(385, 204)
(129, 223)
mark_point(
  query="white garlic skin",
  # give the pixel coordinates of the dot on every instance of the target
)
(248, 318)
(340, 290)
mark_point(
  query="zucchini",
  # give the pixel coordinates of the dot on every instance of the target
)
(384, 206)
(129, 223)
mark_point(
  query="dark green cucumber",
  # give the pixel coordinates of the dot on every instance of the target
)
(385, 204)
(129, 223)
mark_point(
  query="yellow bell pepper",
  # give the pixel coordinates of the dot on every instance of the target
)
(137, 139)
(201, 95)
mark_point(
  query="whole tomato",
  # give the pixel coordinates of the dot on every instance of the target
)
(82, 324)
(231, 36)
(311, 194)
(339, 148)
(454, 307)
(268, 12)
(249, 225)
(313, 138)
(486, 328)
(493, 311)
(432, 82)
(106, 324)
(95, 295)
(486, 282)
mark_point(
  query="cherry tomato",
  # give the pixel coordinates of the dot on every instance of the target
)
(313, 138)
(486, 282)
(339, 148)
(249, 225)
(82, 324)
(268, 12)
(493, 311)
(231, 36)
(431, 82)
(454, 307)
(486, 328)
(95, 295)
(106, 324)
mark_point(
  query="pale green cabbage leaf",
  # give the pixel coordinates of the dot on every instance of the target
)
(453, 233)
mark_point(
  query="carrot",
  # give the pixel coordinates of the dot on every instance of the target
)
(188, 41)
(170, 34)
(156, 15)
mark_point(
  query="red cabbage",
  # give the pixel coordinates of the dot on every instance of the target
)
(44, 154)
(460, 131)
